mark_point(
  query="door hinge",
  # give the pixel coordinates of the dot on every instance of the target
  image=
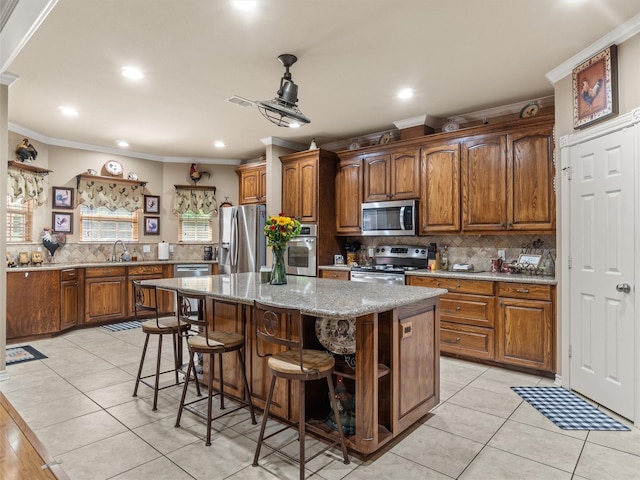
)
(570, 351)
(567, 171)
(570, 262)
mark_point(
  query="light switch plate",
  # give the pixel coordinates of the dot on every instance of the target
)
(171, 248)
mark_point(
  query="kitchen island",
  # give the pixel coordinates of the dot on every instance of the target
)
(393, 373)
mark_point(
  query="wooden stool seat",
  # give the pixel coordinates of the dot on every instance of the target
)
(315, 363)
(164, 326)
(225, 341)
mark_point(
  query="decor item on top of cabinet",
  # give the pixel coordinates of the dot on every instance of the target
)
(132, 176)
(595, 88)
(113, 167)
(62, 222)
(279, 230)
(451, 126)
(384, 138)
(530, 110)
(151, 204)
(313, 145)
(197, 175)
(52, 241)
(63, 198)
(25, 152)
(91, 171)
(152, 225)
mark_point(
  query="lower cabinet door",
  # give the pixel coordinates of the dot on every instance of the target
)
(105, 299)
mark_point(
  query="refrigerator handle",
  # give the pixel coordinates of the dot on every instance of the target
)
(233, 253)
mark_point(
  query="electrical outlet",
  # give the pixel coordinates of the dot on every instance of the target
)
(171, 248)
(146, 248)
(502, 255)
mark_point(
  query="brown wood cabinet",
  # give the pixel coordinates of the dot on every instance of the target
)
(335, 274)
(71, 298)
(392, 175)
(349, 195)
(440, 189)
(33, 303)
(507, 182)
(509, 324)
(308, 194)
(252, 183)
(526, 326)
(105, 294)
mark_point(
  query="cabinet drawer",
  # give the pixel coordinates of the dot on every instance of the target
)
(524, 290)
(475, 310)
(453, 284)
(94, 272)
(335, 274)
(145, 269)
(68, 274)
(466, 340)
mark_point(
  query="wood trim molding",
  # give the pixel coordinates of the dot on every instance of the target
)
(86, 176)
(29, 168)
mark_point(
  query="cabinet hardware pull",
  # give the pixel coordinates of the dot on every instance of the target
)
(448, 340)
(522, 290)
(457, 285)
(458, 308)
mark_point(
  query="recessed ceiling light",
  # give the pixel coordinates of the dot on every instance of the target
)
(68, 111)
(122, 143)
(244, 4)
(132, 73)
(405, 93)
(219, 144)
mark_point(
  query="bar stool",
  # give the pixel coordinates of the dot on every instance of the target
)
(145, 299)
(211, 343)
(298, 364)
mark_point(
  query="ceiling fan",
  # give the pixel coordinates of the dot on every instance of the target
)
(283, 110)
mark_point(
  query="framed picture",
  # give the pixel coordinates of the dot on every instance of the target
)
(63, 197)
(152, 225)
(529, 260)
(151, 204)
(595, 88)
(62, 222)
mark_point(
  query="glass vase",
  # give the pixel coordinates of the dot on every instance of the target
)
(278, 275)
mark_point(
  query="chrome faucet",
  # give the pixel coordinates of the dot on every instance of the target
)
(113, 256)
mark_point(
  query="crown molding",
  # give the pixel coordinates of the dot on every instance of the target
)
(279, 142)
(8, 79)
(623, 32)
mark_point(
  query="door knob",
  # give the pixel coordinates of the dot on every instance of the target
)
(623, 287)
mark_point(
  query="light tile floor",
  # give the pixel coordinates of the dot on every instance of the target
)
(78, 401)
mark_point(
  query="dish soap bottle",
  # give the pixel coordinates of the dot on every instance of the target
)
(444, 259)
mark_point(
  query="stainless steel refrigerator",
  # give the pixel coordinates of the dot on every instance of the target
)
(243, 246)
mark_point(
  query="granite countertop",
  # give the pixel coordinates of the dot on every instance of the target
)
(316, 297)
(494, 277)
(62, 266)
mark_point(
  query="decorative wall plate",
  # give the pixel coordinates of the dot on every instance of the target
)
(337, 336)
(384, 139)
(113, 167)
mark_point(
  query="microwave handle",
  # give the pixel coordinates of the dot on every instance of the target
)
(402, 227)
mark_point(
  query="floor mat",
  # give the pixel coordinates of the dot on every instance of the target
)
(22, 354)
(116, 327)
(567, 410)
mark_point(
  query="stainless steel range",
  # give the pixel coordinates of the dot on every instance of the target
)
(391, 261)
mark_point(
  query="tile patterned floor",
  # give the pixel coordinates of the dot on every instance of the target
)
(78, 401)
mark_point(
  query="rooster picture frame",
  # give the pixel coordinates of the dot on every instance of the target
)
(595, 88)
(151, 204)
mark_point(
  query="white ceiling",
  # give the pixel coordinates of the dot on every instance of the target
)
(353, 56)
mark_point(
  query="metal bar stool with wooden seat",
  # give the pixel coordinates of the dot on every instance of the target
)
(296, 363)
(209, 342)
(145, 299)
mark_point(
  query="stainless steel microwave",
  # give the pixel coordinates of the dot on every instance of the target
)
(394, 218)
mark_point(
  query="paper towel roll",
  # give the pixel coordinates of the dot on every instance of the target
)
(163, 251)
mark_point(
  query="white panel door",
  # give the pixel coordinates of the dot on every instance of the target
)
(602, 265)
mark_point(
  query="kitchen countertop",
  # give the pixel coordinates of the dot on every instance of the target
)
(313, 296)
(487, 276)
(61, 266)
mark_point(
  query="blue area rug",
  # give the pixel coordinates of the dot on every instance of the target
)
(26, 353)
(117, 327)
(567, 410)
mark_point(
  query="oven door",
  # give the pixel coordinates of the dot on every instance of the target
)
(300, 258)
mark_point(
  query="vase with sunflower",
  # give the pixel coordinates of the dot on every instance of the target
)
(279, 230)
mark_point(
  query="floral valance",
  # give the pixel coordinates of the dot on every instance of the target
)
(94, 194)
(25, 185)
(194, 200)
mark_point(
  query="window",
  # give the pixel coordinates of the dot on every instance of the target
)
(19, 220)
(104, 225)
(195, 227)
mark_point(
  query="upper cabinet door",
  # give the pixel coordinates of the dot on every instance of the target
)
(349, 196)
(252, 181)
(531, 196)
(405, 178)
(440, 189)
(484, 183)
(377, 182)
(291, 189)
(309, 191)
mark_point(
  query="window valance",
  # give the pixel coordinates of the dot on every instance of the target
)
(112, 195)
(26, 185)
(195, 199)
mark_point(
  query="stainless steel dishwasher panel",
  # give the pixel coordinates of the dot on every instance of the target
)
(181, 270)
